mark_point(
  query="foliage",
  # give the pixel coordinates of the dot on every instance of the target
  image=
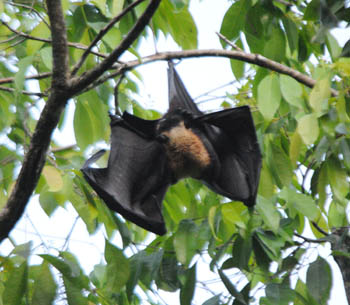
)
(304, 135)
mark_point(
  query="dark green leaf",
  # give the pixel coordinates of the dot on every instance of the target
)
(231, 288)
(16, 285)
(279, 294)
(185, 242)
(44, 290)
(234, 19)
(319, 280)
(241, 252)
(215, 300)
(187, 290)
(118, 269)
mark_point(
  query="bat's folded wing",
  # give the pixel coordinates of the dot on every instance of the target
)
(234, 138)
(134, 183)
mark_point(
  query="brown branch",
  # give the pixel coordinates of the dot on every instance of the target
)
(31, 9)
(61, 90)
(102, 33)
(90, 76)
(38, 76)
(34, 159)
(255, 59)
(11, 90)
(70, 44)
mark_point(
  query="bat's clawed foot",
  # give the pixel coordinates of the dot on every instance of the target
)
(162, 138)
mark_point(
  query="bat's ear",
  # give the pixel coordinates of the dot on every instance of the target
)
(178, 95)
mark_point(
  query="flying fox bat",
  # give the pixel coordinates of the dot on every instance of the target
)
(147, 156)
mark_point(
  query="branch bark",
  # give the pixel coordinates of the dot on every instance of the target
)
(61, 90)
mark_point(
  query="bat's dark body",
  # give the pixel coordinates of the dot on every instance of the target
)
(146, 157)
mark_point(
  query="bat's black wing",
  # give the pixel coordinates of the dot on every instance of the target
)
(136, 178)
(178, 95)
(232, 134)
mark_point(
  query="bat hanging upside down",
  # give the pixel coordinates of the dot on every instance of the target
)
(147, 156)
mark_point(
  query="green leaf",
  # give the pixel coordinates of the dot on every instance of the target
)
(215, 300)
(279, 294)
(269, 96)
(53, 178)
(187, 290)
(23, 66)
(294, 148)
(185, 243)
(231, 288)
(333, 46)
(291, 33)
(241, 251)
(73, 293)
(319, 96)
(16, 285)
(42, 31)
(23, 250)
(83, 125)
(271, 243)
(338, 178)
(269, 213)
(281, 166)
(308, 128)
(319, 280)
(291, 90)
(118, 269)
(275, 47)
(44, 289)
(234, 19)
(336, 215)
(300, 202)
(232, 214)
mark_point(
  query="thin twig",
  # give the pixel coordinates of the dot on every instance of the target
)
(11, 90)
(222, 37)
(102, 33)
(70, 44)
(116, 90)
(319, 229)
(31, 8)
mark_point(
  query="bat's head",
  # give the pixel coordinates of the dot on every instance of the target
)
(174, 118)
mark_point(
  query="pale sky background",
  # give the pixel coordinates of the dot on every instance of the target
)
(199, 76)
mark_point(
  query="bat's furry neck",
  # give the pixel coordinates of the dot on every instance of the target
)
(188, 156)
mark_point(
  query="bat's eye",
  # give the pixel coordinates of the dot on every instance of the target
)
(162, 138)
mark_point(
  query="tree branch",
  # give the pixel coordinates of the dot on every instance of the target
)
(255, 59)
(103, 32)
(90, 76)
(70, 44)
(34, 159)
(61, 91)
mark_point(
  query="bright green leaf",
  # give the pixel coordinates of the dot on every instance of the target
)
(336, 215)
(308, 128)
(53, 178)
(319, 96)
(269, 96)
(291, 90)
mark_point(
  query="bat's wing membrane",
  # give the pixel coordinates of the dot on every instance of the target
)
(178, 95)
(234, 139)
(134, 182)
